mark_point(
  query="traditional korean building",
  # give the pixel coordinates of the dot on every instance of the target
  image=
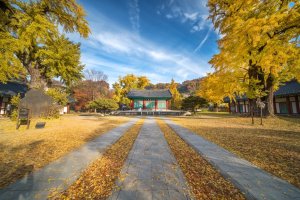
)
(286, 100)
(153, 100)
(7, 91)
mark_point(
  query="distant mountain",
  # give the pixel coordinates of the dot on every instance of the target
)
(186, 88)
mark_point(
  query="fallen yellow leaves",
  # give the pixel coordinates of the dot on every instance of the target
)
(204, 181)
(98, 180)
(24, 151)
(273, 147)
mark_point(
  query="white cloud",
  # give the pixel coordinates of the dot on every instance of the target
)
(117, 52)
(203, 41)
(191, 16)
(134, 46)
(169, 16)
(193, 12)
(134, 15)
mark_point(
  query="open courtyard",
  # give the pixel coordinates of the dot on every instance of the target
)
(149, 100)
(92, 157)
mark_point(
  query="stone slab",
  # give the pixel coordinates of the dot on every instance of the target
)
(60, 174)
(254, 182)
(151, 171)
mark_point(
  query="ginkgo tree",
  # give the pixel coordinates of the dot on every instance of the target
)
(32, 45)
(259, 45)
(176, 96)
(127, 83)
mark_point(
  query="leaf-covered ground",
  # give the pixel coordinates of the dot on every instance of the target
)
(205, 181)
(274, 147)
(22, 151)
(98, 180)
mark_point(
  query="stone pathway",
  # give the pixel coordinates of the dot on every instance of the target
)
(60, 174)
(251, 180)
(151, 171)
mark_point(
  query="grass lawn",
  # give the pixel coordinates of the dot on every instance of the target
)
(275, 146)
(22, 151)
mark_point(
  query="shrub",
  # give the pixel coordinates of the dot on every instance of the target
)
(58, 95)
(15, 102)
(103, 105)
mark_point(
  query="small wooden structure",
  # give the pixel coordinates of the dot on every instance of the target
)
(150, 100)
(23, 118)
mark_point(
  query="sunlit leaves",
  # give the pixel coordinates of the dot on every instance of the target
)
(98, 180)
(127, 83)
(38, 47)
(273, 147)
(176, 96)
(260, 40)
(205, 182)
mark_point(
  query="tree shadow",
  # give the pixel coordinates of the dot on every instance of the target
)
(14, 168)
(276, 151)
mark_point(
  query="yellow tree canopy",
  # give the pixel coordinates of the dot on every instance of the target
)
(32, 45)
(216, 86)
(260, 41)
(127, 83)
(176, 96)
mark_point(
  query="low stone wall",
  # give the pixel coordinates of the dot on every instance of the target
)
(149, 113)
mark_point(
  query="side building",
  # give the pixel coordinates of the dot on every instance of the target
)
(7, 91)
(152, 100)
(286, 100)
(13, 88)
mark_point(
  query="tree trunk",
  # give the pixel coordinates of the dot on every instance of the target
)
(270, 101)
(36, 80)
(270, 106)
(251, 110)
(216, 107)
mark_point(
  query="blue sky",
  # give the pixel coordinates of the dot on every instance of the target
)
(161, 39)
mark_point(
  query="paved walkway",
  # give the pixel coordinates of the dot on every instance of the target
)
(61, 173)
(151, 171)
(254, 182)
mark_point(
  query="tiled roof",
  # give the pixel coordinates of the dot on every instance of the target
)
(12, 88)
(238, 98)
(149, 93)
(290, 88)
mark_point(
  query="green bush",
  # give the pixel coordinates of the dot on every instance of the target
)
(15, 102)
(58, 95)
(103, 105)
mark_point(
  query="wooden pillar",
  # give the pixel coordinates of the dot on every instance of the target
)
(297, 104)
(155, 104)
(238, 106)
(274, 105)
(144, 104)
(131, 104)
(229, 106)
(289, 105)
(1, 99)
(167, 104)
